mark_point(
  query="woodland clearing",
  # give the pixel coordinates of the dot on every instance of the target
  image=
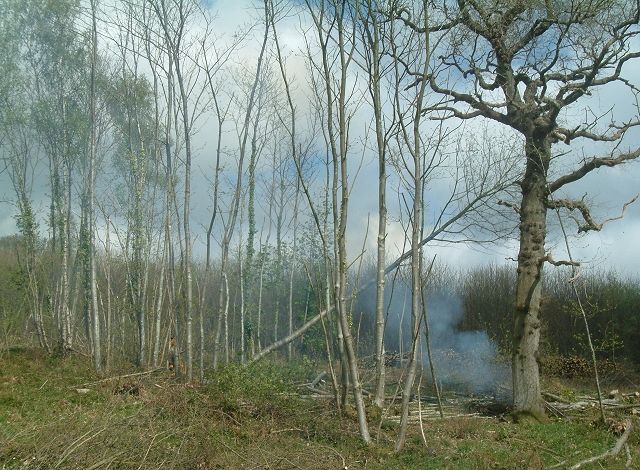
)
(58, 413)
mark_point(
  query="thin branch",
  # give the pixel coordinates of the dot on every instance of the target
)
(591, 165)
(122, 377)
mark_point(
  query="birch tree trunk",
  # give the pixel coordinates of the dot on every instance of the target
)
(372, 37)
(337, 17)
(97, 358)
(230, 225)
(413, 141)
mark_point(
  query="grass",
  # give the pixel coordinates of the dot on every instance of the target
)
(248, 418)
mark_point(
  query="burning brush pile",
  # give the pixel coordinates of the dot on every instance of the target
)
(472, 374)
(482, 380)
(477, 382)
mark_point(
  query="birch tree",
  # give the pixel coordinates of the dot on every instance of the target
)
(93, 282)
(373, 37)
(176, 20)
(244, 131)
(58, 60)
(334, 24)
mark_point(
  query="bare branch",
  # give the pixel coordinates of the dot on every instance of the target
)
(549, 259)
(591, 165)
(581, 206)
(620, 131)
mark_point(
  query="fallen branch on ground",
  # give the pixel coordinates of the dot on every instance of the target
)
(121, 377)
(555, 398)
(615, 451)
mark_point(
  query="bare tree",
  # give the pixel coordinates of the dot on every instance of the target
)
(420, 162)
(213, 61)
(176, 19)
(335, 24)
(244, 131)
(524, 64)
(93, 282)
(374, 31)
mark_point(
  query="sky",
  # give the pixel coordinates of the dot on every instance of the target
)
(616, 246)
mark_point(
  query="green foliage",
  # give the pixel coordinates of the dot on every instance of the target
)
(314, 343)
(488, 297)
(610, 302)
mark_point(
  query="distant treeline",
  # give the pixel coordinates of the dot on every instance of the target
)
(474, 299)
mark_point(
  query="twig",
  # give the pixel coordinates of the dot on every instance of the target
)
(554, 410)
(424, 438)
(558, 465)
(78, 352)
(107, 461)
(615, 451)
(319, 392)
(508, 204)
(344, 462)
(146, 454)
(549, 259)
(77, 443)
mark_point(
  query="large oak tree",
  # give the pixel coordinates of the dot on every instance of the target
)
(531, 65)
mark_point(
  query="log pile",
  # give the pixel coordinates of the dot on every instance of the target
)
(575, 367)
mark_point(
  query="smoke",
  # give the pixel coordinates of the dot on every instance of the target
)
(466, 361)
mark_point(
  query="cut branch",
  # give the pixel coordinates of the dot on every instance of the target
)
(502, 202)
(286, 340)
(122, 377)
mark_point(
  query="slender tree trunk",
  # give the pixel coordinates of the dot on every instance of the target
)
(97, 359)
(222, 305)
(293, 268)
(342, 243)
(186, 215)
(242, 275)
(64, 301)
(259, 308)
(223, 310)
(226, 320)
(294, 154)
(158, 307)
(416, 285)
(417, 153)
(373, 36)
(109, 313)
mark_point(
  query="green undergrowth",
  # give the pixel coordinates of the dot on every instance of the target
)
(57, 413)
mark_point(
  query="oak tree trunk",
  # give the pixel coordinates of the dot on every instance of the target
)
(526, 335)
